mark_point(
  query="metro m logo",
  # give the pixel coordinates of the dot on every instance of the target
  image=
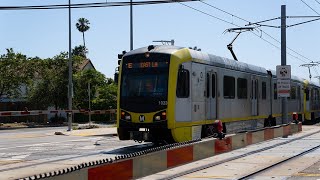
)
(141, 118)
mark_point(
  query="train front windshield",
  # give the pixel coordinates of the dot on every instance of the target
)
(144, 83)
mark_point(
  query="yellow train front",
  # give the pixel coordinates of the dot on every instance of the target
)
(143, 96)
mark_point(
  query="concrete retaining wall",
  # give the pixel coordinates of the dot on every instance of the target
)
(162, 160)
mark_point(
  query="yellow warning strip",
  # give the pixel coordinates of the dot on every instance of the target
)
(308, 174)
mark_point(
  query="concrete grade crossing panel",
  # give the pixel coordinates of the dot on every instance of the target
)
(149, 164)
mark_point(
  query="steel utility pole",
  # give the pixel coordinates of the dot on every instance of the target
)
(131, 27)
(284, 60)
(89, 94)
(70, 75)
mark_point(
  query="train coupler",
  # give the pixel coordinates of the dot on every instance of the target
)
(140, 136)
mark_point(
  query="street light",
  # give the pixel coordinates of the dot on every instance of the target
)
(70, 89)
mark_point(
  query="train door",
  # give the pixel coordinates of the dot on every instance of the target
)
(211, 97)
(299, 98)
(254, 96)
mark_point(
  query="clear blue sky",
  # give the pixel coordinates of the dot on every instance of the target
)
(44, 33)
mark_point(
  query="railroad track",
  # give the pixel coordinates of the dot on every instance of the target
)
(251, 174)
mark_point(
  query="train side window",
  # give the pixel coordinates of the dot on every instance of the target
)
(293, 92)
(208, 85)
(242, 88)
(228, 87)
(256, 89)
(275, 91)
(213, 85)
(183, 83)
(264, 90)
(298, 92)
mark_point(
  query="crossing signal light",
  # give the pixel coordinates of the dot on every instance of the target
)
(116, 74)
(120, 56)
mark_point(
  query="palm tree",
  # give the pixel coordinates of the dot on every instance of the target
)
(83, 26)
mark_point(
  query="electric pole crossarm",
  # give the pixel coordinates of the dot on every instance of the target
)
(257, 23)
(303, 22)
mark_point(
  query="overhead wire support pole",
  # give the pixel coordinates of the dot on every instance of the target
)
(284, 60)
(131, 27)
(70, 88)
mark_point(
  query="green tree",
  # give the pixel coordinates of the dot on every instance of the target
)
(79, 51)
(50, 87)
(81, 82)
(107, 96)
(83, 26)
(14, 72)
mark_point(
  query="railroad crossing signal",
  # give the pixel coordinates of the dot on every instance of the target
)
(283, 80)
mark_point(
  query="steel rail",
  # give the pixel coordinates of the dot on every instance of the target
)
(236, 157)
(281, 162)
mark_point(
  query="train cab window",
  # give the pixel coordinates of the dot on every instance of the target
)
(242, 88)
(264, 90)
(213, 85)
(275, 91)
(293, 92)
(183, 83)
(228, 87)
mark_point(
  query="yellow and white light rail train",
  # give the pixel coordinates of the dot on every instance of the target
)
(176, 94)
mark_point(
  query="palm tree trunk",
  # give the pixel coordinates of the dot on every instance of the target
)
(84, 42)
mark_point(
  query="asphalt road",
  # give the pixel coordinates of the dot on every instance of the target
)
(36, 146)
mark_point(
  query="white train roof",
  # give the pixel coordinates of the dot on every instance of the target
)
(206, 58)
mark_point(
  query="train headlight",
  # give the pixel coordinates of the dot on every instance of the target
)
(125, 115)
(122, 115)
(163, 115)
(160, 116)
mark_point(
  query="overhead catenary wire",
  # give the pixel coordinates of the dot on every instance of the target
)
(269, 34)
(310, 7)
(260, 30)
(115, 4)
(88, 5)
(209, 15)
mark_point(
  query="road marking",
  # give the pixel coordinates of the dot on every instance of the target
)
(87, 147)
(39, 144)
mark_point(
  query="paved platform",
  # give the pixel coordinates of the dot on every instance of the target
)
(303, 168)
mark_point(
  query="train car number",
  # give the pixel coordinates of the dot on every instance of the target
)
(163, 103)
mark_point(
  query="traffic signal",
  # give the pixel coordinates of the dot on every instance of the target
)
(116, 74)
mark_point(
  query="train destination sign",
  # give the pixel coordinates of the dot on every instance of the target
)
(146, 64)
